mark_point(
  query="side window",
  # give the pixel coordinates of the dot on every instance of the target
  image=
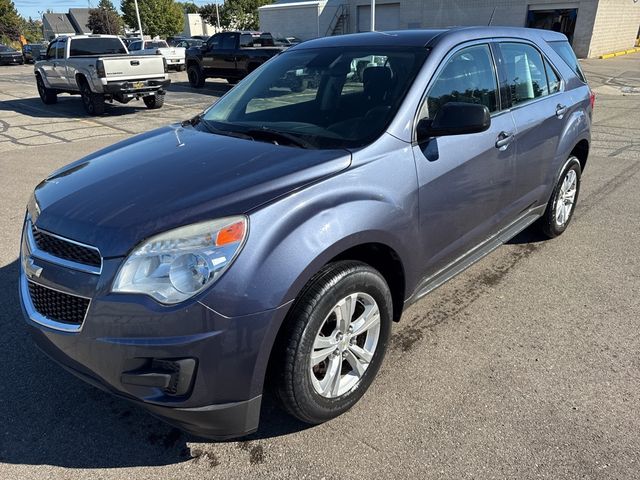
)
(228, 42)
(467, 77)
(553, 78)
(214, 42)
(51, 51)
(60, 49)
(526, 77)
(134, 46)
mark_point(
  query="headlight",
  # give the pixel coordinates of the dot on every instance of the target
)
(176, 265)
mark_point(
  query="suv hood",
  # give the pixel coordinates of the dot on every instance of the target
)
(166, 178)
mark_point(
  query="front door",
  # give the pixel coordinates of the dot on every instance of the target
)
(464, 180)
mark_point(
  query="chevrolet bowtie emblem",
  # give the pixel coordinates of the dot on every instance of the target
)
(33, 270)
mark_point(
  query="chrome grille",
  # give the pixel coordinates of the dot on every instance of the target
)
(66, 249)
(58, 306)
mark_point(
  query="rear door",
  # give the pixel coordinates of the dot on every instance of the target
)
(464, 180)
(223, 59)
(539, 107)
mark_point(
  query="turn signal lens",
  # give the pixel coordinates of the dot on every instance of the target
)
(231, 234)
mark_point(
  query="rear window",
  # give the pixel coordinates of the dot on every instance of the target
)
(96, 46)
(566, 52)
(156, 44)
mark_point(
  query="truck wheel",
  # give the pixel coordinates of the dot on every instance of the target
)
(196, 76)
(333, 342)
(182, 68)
(47, 95)
(154, 101)
(93, 102)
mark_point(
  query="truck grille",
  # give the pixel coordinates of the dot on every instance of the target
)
(58, 306)
(65, 249)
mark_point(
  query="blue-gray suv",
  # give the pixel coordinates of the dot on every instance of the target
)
(271, 241)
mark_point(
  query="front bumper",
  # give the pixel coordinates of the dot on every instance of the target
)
(11, 60)
(123, 338)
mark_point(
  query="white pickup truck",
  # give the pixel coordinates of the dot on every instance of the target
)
(99, 68)
(175, 56)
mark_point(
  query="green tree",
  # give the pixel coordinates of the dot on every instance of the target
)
(105, 19)
(32, 30)
(159, 17)
(10, 22)
(235, 14)
(188, 7)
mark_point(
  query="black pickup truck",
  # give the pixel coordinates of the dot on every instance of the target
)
(229, 55)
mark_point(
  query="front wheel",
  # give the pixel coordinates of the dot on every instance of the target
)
(47, 95)
(563, 200)
(196, 76)
(335, 340)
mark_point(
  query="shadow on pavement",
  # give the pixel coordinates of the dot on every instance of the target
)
(67, 106)
(49, 417)
(213, 88)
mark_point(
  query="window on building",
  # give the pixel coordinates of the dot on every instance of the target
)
(468, 77)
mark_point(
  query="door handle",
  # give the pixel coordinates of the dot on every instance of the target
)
(504, 139)
(560, 110)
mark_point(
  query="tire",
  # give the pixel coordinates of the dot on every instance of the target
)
(196, 76)
(154, 101)
(562, 203)
(93, 102)
(312, 326)
(181, 68)
(47, 95)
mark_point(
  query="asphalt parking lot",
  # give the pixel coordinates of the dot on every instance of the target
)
(525, 366)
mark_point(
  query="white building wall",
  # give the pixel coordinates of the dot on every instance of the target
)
(305, 20)
(616, 26)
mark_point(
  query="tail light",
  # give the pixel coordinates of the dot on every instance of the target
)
(100, 69)
(592, 99)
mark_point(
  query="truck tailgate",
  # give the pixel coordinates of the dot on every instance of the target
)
(132, 67)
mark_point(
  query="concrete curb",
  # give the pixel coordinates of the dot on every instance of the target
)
(620, 53)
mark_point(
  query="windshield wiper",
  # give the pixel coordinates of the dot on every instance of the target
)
(278, 137)
(211, 129)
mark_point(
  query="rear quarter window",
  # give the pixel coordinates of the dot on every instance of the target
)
(566, 53)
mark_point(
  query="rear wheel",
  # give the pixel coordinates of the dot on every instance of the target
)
(562, 203)
(336, 338)
(196, 76)
(154, 101)
(181, 68)
(93, 102)
(47, 95)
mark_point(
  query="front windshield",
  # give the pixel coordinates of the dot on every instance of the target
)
(329, 98)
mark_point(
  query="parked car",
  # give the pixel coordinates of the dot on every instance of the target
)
(271, 241)
(229, 55)
(99, 68)
(173, 41)
(175, 56)
(10, 56)
(189, 42)
(32, 52)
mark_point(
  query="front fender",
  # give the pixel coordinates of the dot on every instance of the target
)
(38, 70)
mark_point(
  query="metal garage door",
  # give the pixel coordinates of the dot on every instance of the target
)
(387, 17)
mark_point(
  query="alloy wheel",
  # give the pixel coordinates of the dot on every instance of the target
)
(345, 345)
(566, 198)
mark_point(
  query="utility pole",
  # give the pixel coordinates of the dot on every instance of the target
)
(139, 22)
(373, 15)
(217, 16)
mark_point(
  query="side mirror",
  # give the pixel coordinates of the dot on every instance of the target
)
(455, 118)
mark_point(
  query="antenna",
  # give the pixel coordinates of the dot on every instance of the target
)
(491, 17)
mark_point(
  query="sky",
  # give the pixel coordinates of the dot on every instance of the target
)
(31, 8)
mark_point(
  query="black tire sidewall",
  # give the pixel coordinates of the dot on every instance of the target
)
(313, 407)
(550, 226)
(195, 72)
